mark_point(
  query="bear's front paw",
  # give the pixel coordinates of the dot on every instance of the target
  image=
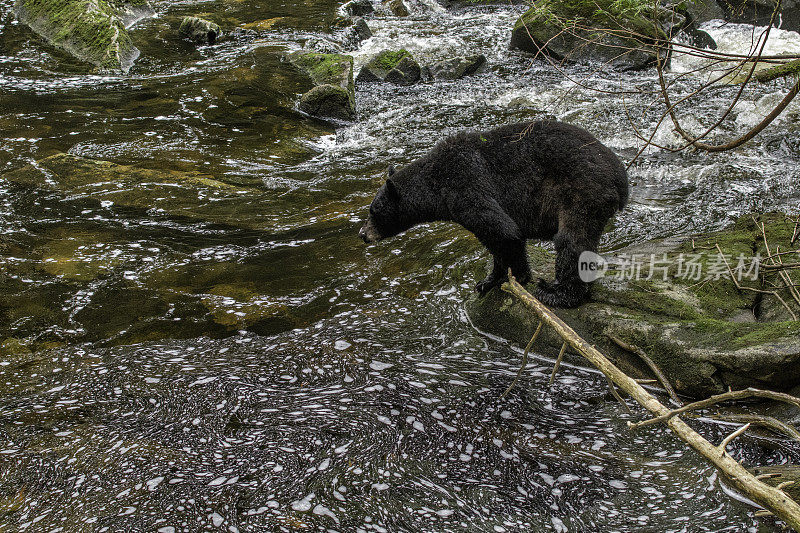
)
(488, 283)
(564, 295)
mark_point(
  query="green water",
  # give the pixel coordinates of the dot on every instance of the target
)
(213, 346)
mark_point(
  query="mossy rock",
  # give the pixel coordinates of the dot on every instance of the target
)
(547, 27)
(333, 94)
(394, 66)
(396, 8)
(457, 67)
(199, 30)
(94, 31)
(704, 334)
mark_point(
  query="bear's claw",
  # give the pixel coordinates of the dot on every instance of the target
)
(564, 295)
(488, 284)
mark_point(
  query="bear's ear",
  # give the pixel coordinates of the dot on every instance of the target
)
(391, 190)
(391, 170)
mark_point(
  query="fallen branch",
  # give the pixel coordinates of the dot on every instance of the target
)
(779, 71)
(771, 498)
(718, 398)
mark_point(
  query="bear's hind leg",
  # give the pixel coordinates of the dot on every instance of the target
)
(568, 290)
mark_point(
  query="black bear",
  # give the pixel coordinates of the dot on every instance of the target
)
(543, 180)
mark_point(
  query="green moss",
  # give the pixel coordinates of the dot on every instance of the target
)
(331, 69)
(647, 297)
(734, 335)
(88, 29)
(388, 59)
(633, 15)
(791, 68)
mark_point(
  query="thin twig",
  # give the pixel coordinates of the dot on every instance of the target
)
(717, 398)
(727, 440)
(768, 422)
(558, 363)
(524, 360)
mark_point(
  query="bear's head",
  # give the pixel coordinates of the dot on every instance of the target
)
(387, 216)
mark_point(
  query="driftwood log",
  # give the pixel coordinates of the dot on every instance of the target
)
(771, 498)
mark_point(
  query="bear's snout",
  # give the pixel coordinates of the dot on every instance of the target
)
(368, 233)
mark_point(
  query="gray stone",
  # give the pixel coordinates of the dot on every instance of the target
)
(537, 32)
(396, 8)
(457, 67)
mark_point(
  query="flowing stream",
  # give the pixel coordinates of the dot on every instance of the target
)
(236, 359)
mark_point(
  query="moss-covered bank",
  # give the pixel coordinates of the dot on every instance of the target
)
(686, 313)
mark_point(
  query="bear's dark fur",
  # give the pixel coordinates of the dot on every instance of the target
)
(542, 180)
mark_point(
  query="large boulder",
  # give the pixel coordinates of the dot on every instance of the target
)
(688, 316)
(456, 67)
(333, 94)
(758, 12)
(548, 28)
(392, 66)
(94, 31)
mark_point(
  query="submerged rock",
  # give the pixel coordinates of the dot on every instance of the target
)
(457, 67)
(94, 31)
(334, 93)
(704, 334)
(397, 67)
(541, 29)
(199, 31)
(191, 195)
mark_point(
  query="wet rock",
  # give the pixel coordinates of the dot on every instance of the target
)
(397, 67)
(334, 93)
(94, 31)
(457, 67)
(758, 12)
(322, 45)
(359, 8)
(199, 31)
(396, 8)
(700, 11)
(328, 101)
(704, 334)
(701, 39)
(539, 30)
(355, 34)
